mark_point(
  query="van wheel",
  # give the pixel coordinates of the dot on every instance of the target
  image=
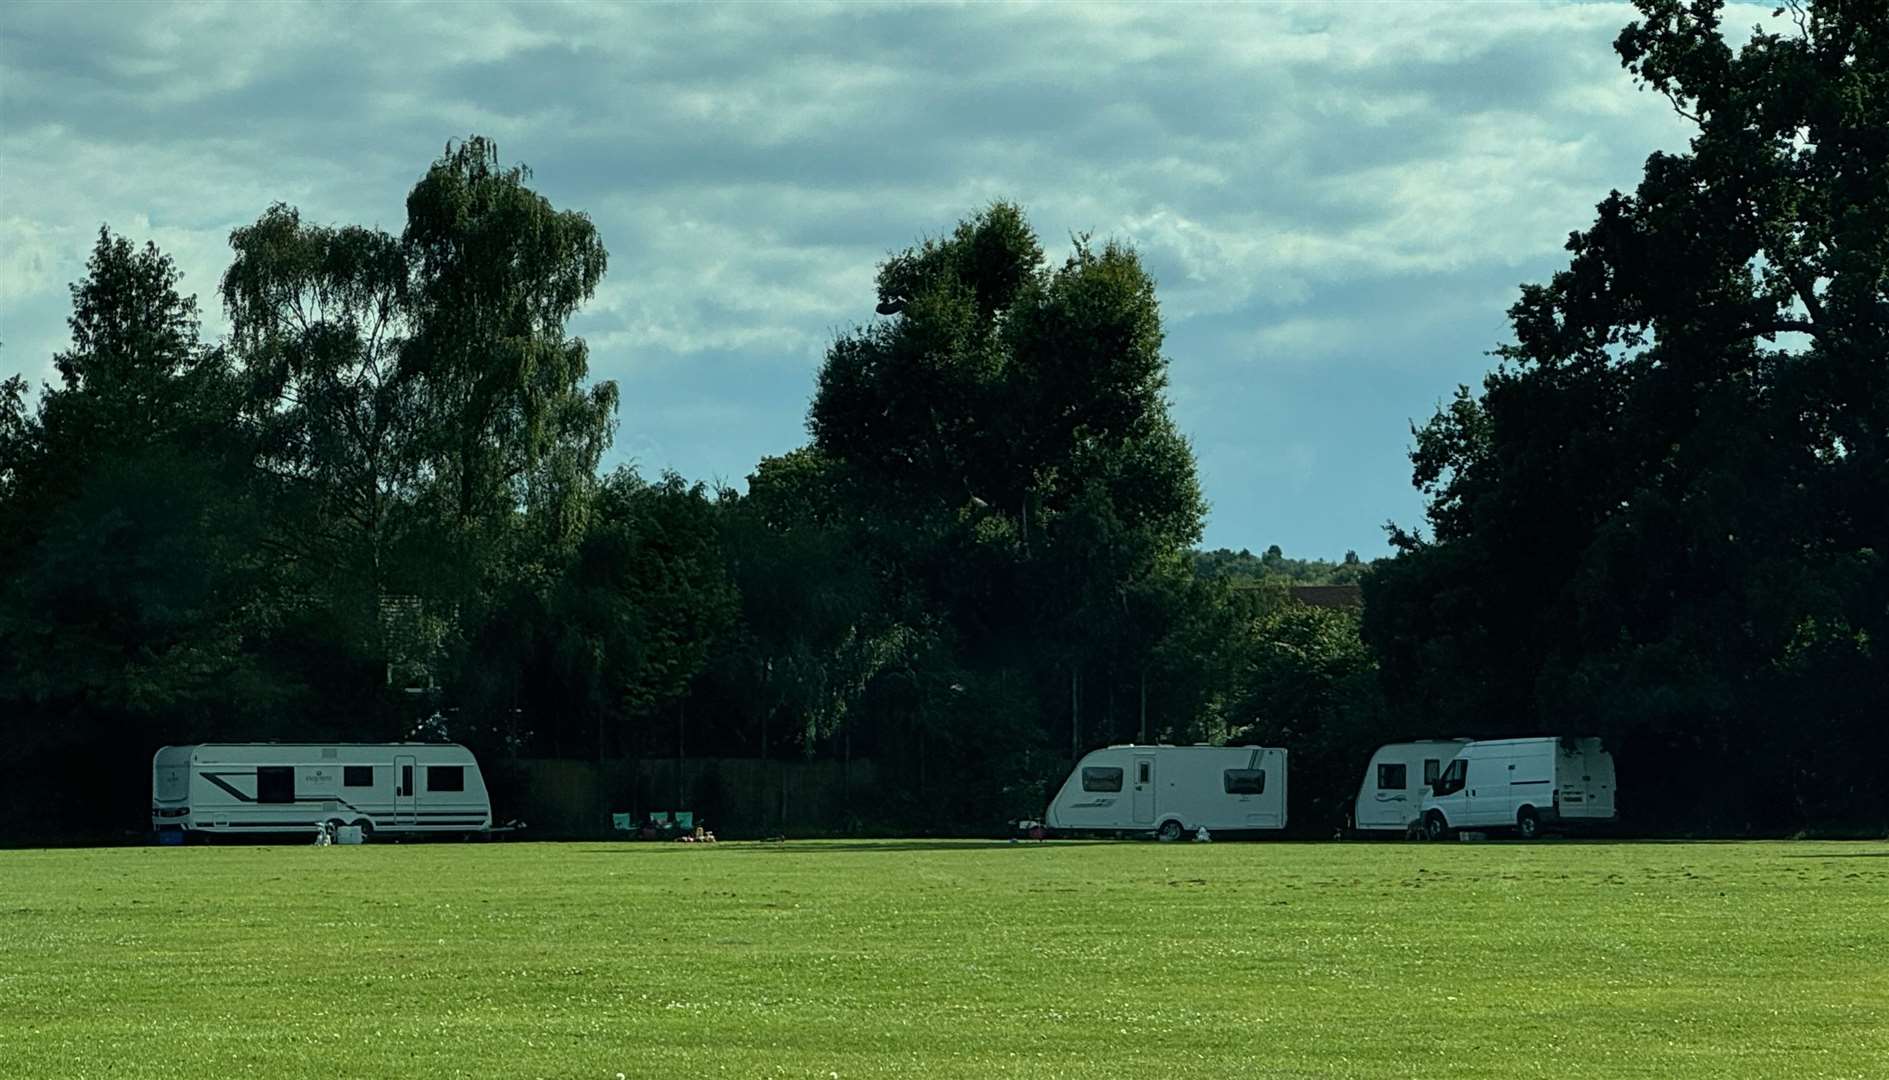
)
(1528, 823)
(1169, 831)
(1435, 827)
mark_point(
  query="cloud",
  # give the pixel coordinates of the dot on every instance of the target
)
(1337, 200)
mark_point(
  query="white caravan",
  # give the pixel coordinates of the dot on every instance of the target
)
(1390, 799)
(1522, 784)
(1172, 790)
(388, 788)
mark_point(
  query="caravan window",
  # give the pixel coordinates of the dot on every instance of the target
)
(1392, 777)
(275, 784)
(1245, 781)
(1432, 768)
(357, 776)
(445, 778)
(1094, 779)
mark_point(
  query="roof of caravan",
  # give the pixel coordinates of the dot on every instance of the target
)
(1182, 746)
(323, 748)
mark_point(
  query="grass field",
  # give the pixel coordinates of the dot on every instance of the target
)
(948, 960)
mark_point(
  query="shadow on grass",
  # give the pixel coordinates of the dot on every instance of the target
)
(891, 845)
(817, 847)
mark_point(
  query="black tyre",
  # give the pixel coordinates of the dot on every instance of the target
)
(1435, 827)
(1528, 823)
(1169, 831)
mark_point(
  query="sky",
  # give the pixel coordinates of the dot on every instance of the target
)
(1337, 202)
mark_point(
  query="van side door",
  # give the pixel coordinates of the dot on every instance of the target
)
(1531, 782)
(1487, 791)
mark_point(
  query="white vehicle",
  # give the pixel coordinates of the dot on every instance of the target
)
(1390, 799)
(1172, 791)
(1522, 784)
(386, 788)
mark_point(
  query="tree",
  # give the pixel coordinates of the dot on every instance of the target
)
(1246, 568)
(125, 611)
(497, 272)
(428, 436)
(1017, 485)
(1007, 383)
(320, 316)
(815, 629)
(1304, 679)
(606, 652)
(1672, 492)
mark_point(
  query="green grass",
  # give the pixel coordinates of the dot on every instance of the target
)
(948, 960)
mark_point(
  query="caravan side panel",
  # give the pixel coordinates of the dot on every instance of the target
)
(272, 788)
(1096, 796)
(1390, 797)
(1138, 789)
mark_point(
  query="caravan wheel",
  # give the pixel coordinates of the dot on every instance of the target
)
(1169, 831)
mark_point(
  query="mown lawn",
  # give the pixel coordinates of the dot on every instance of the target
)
(948, 960)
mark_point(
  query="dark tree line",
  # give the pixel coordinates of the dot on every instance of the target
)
(1665, 517)
(377, 510)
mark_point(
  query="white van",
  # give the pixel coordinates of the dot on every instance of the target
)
(1390, 798)
(1522, 784)
(232, 788)
(1170, 791)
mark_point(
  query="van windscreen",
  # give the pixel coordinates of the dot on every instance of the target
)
(1453, 777)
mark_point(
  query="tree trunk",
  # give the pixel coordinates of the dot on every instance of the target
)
(1075, 715)
(767, 707)
(1144, 703)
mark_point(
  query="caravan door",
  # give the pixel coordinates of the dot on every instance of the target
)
(1144, 789)
(404, 809)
